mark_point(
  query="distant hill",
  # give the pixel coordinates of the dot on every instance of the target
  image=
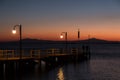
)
(36, 42)
(27, 43)
(28, 40)
(91, 40)
(99, 41)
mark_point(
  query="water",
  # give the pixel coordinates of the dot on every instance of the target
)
(103, 66)
(95, 69)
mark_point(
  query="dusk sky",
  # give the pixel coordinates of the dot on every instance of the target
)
(46, 19)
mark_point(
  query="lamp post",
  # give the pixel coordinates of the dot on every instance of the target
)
(20, 39)
(61, 36)
(78, 34)
(77, 54)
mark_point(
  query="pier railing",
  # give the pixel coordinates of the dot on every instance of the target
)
(37, 53)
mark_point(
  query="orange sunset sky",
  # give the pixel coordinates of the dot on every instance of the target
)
(47, 19)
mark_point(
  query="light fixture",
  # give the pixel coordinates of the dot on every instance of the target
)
(20, 35)
(14, 31)
(61, 36)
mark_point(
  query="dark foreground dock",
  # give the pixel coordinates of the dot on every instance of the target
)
(49, 56)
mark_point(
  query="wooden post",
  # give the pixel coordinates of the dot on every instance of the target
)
(39, 53)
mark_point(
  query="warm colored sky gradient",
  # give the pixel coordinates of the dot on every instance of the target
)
(46, 19)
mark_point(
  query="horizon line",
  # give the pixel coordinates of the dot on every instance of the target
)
(60, 40)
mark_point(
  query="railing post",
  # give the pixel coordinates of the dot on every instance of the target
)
(13, 53)
(39, 53)
(53, 50)
(31, 53)
(1, 53)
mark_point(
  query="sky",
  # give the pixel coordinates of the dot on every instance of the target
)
(47, 19)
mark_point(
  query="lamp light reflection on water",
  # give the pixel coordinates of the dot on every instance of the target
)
(60, 74)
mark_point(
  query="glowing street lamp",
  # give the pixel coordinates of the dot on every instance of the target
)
(14, 32)
(61, 36)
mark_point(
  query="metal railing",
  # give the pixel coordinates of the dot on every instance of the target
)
(36, 53)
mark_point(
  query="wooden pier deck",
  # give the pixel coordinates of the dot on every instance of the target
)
(45, 55)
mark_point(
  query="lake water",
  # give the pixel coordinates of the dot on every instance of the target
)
(103, 66)
(94, 69)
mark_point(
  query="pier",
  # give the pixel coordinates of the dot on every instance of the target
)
(49, 56)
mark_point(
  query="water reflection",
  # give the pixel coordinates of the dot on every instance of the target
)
(105, 69)
(95, 69)
(60, 75)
